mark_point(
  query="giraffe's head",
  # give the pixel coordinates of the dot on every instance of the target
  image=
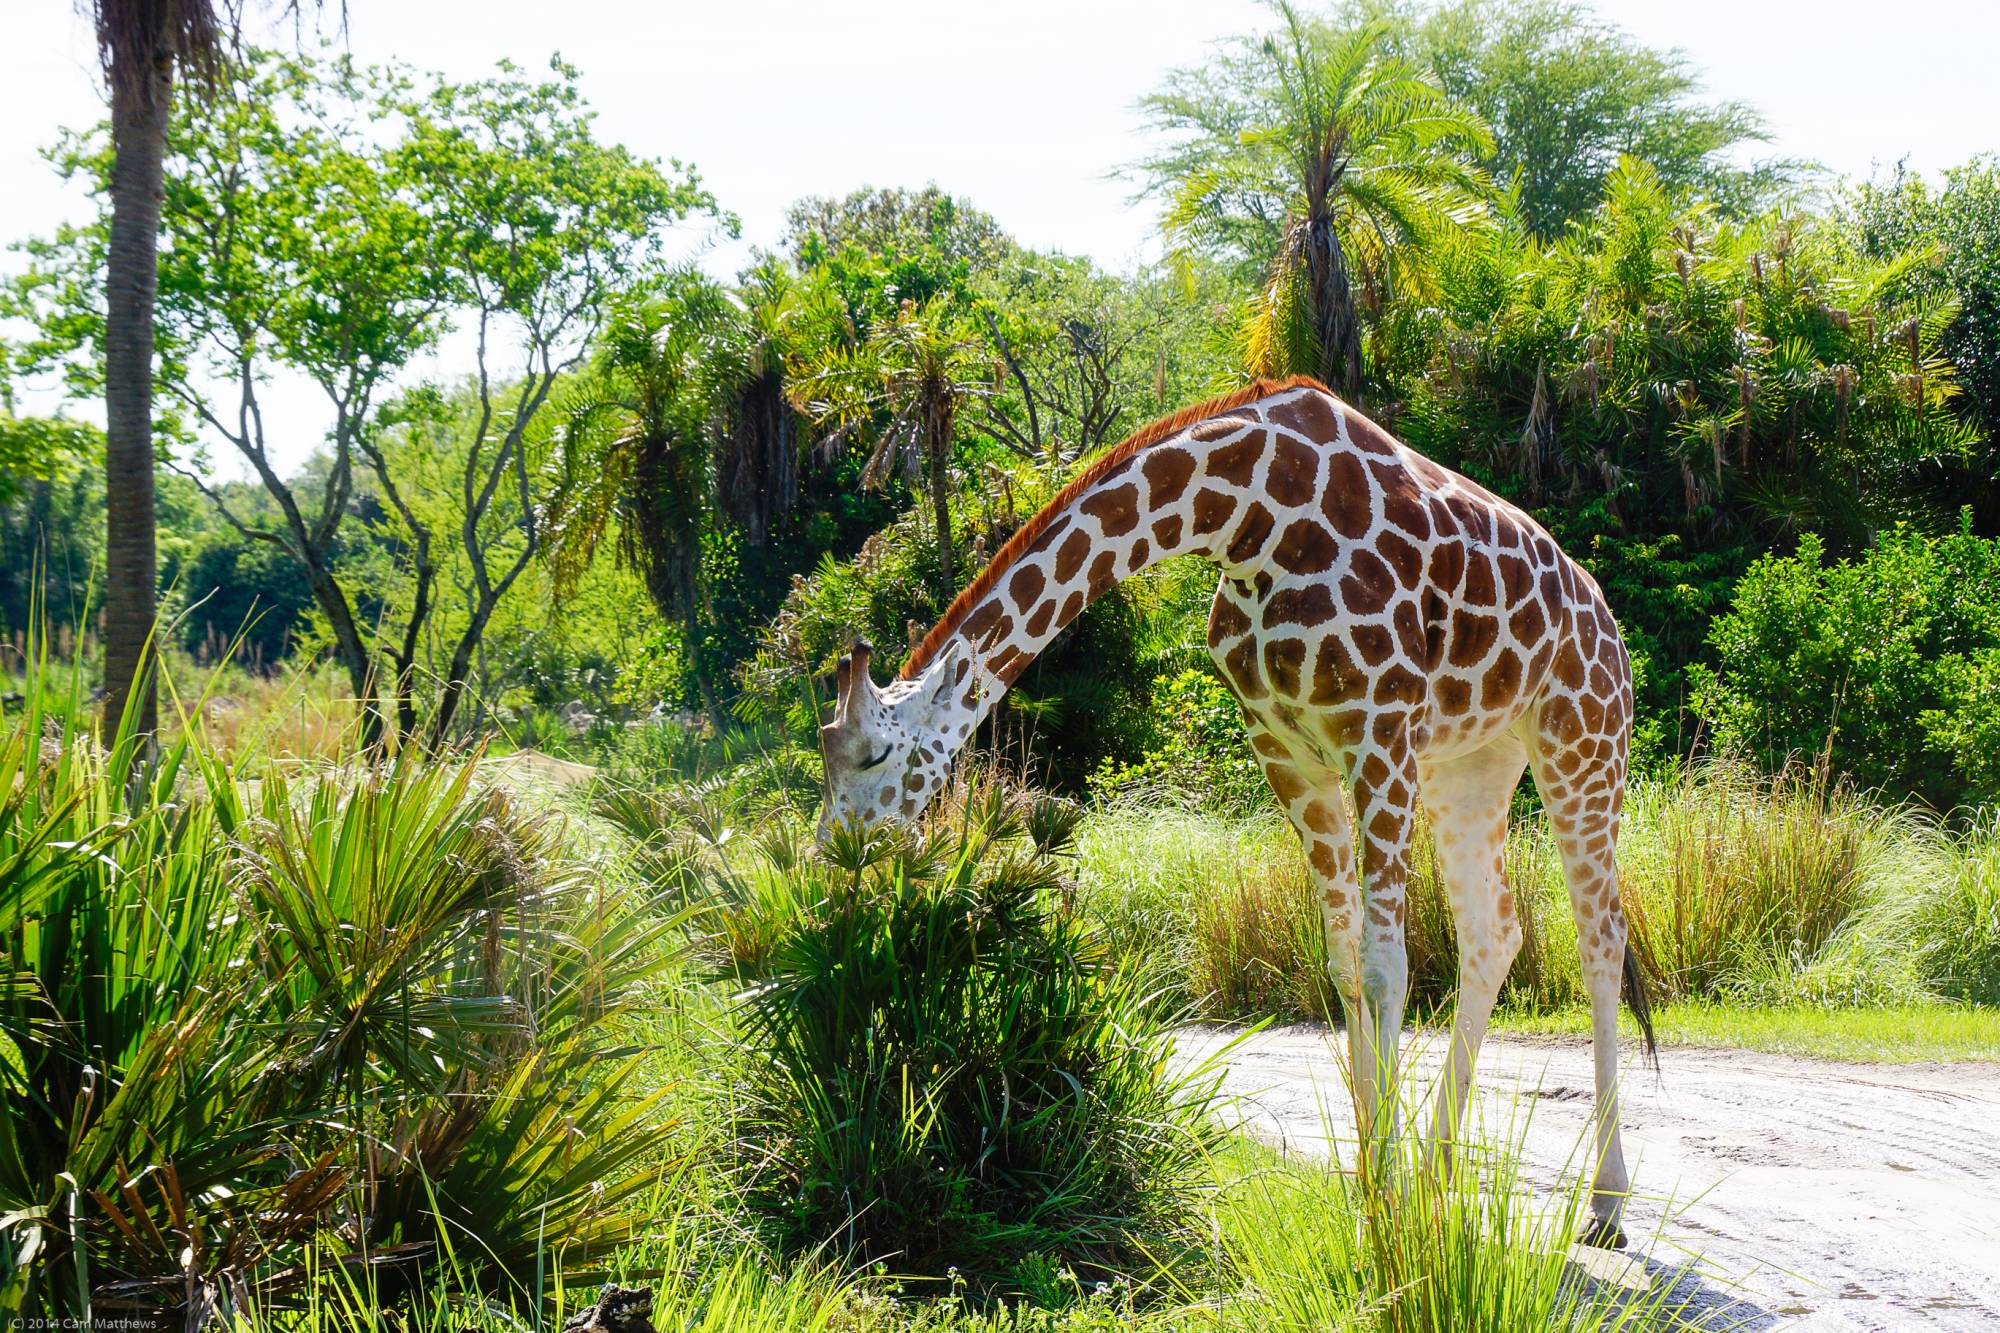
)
(887, 750)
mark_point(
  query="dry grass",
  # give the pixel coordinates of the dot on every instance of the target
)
(1777, 890)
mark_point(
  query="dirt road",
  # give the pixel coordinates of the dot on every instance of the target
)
(1814, 1194)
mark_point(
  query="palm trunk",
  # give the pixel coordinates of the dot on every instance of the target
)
(937, 452)
(1334, 320)
(139, 134)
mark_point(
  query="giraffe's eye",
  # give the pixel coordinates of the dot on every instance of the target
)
(876, 762)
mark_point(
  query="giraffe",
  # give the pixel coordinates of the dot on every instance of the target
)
(1393, 632)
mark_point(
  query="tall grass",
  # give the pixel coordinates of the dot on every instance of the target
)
(1308, 1247)
(1791, 889)
(1959, 923)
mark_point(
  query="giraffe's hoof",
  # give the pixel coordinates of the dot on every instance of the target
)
(1601, 1234)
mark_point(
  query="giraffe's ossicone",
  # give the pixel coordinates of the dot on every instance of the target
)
(1395, 634)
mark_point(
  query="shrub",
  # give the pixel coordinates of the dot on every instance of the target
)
(1418, 1250)
(1746, 887)
(1790, 889)
(1194, 748)
(1886, 663)
(947, 1065)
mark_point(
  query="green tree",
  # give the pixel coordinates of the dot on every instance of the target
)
(1959, 216)
(757, 459)
(1887, 663)
(50, 544)
(637, 450)
(294, 244)
(1331, 162)
(1084, 355)
(1567, 94)
(144, 44)
(903, 383)
(308, 238)
(540, 223)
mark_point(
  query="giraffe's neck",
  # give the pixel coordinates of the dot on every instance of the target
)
(1218, 488)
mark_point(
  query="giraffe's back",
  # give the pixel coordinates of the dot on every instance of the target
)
(1401, 590)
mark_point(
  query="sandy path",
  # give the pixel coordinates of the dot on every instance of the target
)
(1821, 1195)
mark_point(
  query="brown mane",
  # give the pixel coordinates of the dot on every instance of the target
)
(1026, 535)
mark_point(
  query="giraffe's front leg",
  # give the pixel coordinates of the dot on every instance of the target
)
(1385, 793)
(1311, 797)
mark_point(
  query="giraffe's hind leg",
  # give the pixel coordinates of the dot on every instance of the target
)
(1467, 800)
(1578, 753)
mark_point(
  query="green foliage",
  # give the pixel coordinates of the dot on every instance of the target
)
(1962, 923)
(1193, 746)
(1567, 93)
(42, 448)
(1410, 1248)
(230, 1017)
(949, 1068)
(252, 597)
(1330, 165)
(1886, 661)
(1960, 216)
(1661, 368)
(330, 220)
(1787, 890)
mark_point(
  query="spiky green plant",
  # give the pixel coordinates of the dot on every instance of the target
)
(252, 1029)
(949, 1068)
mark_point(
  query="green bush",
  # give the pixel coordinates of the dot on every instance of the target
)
(1740, 888)
(946, 1066)
(1961, 925)
(1194, 747)
(1886, 663)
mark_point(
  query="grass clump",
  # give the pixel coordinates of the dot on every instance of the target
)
(945, 1067)
(1959, 923)
(1309, 1246)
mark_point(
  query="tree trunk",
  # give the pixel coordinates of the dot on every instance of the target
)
(1334, 322)
(454, 681)
(937, 451)
(352, 653)
(406, 656)
(139, 135)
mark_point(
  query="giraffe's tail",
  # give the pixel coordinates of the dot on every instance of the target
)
(1641, 1004)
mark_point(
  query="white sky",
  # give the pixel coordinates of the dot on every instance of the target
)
(1024, 107)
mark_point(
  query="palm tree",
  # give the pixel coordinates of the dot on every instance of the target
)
(757, 459)
(143, 45)
(637, 448)
(1369, 165)
(918, 368)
